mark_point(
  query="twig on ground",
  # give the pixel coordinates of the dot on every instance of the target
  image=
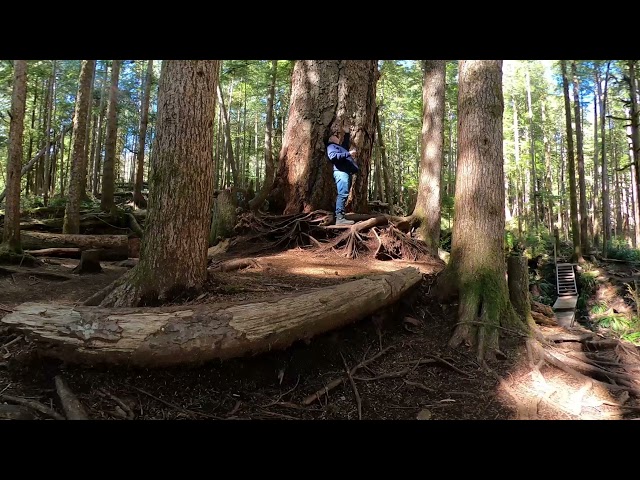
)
(435, 359)
(276, 401)
(334, 383)
(120, 403)
(353, 385)
(172, 405)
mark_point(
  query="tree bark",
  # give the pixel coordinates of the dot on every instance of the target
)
(584, 218)
(476, 269)
(427, 209)
(72, 210)
(518, 282)
(11, 231)
(573, 198)
(173, 258)
(195, 334)
(138, 198)
(109, 164)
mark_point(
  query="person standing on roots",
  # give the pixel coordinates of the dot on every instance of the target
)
(344, 166)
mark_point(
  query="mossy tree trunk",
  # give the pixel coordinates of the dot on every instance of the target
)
(11, 230)
(72, 209)
(108, 167)
(476, 270)
(173, 257)
(138, 198)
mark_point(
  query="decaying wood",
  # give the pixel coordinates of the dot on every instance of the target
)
(218, 249)
(235, 264)
(542, 319)
(114, 247)
(56, 252)
(545, 310)
(89, 262)
(72, 407)
(197, 333)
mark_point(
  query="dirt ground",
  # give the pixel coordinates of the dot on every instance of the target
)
(410, 372)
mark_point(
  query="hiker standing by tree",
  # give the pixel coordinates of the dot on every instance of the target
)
(344, 166)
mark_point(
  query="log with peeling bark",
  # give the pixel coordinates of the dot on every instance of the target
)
(193, 334)
(114, 247)
(56, 252)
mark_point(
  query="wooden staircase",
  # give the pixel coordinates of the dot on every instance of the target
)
(567, 290)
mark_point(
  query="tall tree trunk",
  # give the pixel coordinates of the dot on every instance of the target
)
(138, 198)
(108, 168)
(269, 164)
(635, 138)
(47, 154)
(386, 169)
(226, 119)
(84, 197)
(547, 167)
(11, 230)
(476, 269)
(72, 209)
(173, 257)
(336, 97)
(584, 219)
(427, 209)
(606, 208)
(97, 159)
(516, 150)
(532, 156)
(361, 78)
(596, 187)
(575, 225)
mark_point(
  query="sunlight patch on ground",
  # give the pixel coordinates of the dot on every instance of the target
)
(550, 393)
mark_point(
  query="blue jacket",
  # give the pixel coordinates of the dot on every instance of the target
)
(340, 157)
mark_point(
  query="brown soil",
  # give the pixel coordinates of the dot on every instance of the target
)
(416, 376)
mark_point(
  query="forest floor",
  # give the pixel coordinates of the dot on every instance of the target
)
(412, 372)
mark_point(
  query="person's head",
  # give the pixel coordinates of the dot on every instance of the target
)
(336, 135)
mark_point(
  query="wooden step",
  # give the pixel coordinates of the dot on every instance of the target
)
(566, 303)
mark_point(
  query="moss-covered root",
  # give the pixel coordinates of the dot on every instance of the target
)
(484, 312)
(12, 256)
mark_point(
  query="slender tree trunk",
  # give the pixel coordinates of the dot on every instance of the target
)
(386, 169)
(269, 164)
(47, 154)
(72, 210)
(584, 219)
(173, 258)
(11, 230)
(97, 160)
(596, 172)
(138, 198)
(635, 139)
(575, 225)
(533, 174)
(606, 208)
(427, 209)
(108, 168)
(226, 119)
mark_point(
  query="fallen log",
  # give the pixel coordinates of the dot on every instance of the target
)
(114, 247)
(56, 252)
(193, 334)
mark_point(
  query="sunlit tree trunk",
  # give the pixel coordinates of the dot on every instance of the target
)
(108, 167)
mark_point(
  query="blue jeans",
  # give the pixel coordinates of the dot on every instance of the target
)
(343, 183)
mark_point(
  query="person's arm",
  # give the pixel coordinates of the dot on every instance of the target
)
(336, 153)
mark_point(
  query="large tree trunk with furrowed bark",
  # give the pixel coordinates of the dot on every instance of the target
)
(173, 257)
(198, 333)
(476, 270)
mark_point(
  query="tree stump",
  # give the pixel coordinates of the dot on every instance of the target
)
(224, 216)
(89, 262)
(518, 281)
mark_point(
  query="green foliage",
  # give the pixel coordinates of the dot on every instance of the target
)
(599, 308)
(619, 249)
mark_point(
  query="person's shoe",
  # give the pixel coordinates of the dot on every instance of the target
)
(340, 220)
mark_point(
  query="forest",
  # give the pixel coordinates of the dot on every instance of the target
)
(172, 245)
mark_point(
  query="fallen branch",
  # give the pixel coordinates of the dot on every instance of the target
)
(34, 405)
